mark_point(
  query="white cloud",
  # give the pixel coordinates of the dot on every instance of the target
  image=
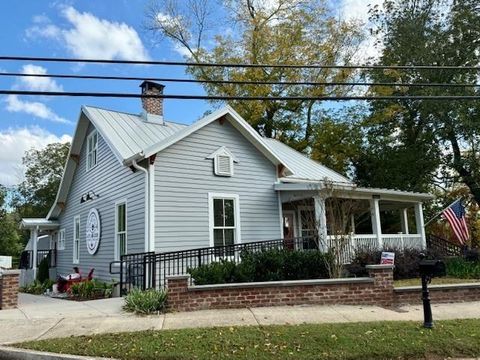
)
(92, 37)
(358, 10)
(35, 108)
(14, 143)
(38, 83)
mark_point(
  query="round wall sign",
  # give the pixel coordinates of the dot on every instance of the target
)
(93, 231)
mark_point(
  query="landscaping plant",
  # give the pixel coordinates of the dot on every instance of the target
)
(462, 268)
(43, 267)
(406, 262)
(37, 287)
(90, 290)
(145, 302)
(267, 265)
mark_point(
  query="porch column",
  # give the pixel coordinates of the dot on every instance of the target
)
(34, 239)
(419, 224)
(404, 220)
(376, 224)
(321, 221)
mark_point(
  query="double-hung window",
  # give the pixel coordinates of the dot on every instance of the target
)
(120, 229)
(76, 239)
(61, 240)
(92, 144)
(224, 219)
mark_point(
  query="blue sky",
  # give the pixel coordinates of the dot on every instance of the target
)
(90, 29)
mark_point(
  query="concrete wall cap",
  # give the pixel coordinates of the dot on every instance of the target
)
(380, 267)
(266, 284)
(9, 272)
(418, 288)
(177, 277)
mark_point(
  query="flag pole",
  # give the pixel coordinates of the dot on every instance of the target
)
(440, 213)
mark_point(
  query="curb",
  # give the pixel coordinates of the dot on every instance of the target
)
(10, 353)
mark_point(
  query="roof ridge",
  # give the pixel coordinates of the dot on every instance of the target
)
(130, 113)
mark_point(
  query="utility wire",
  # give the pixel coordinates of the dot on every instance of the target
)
(247, 98)
(238, 82)
(238, 65)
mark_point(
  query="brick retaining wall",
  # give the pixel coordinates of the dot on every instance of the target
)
(9, 283)
(438, 293)
(374, 290)
(377, 289)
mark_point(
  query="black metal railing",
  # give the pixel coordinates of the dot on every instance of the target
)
(150, 270)
(444, 246)
(50, 255)
(133, 271)
(26, 260)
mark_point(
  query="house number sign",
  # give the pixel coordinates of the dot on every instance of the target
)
(93, 231)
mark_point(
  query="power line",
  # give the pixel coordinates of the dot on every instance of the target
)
(226, 97)
(238, 82)
(238, 65)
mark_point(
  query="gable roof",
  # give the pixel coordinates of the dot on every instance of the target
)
(302, 167)
(133, 137)
(128, 135)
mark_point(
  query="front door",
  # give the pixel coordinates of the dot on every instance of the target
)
(289, 229)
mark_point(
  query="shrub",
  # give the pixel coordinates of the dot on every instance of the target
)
(90, 290)
(268, 265)
(37, 288)
(43, 273)
(145, 302)
(406, 262)
(462, 268)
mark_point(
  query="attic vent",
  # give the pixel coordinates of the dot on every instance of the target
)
(223, 165)
(223, 161)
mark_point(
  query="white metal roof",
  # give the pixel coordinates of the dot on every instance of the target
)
(127, 134)
(303, 168)
(42, 223)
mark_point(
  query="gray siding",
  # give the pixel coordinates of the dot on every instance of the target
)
(184, 177)
(112, 182)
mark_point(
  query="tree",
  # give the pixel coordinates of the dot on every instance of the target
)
(337, 139)
(416, 143)
(9, 238)
(35, 195)
(283, 32)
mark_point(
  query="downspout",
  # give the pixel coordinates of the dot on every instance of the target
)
(147, 203)
(151, 211)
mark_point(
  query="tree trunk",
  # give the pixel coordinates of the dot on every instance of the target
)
(467, 176)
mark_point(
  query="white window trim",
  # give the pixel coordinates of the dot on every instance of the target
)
(89, 137)
(76, 259)
(236, 200)
(116, 255)
(61, 240)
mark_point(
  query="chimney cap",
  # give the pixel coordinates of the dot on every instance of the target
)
(146, 85)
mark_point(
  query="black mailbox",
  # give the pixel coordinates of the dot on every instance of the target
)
(432, 268)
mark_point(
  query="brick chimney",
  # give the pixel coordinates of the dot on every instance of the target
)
(152, 107)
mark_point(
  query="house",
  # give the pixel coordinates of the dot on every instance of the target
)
(136, 182)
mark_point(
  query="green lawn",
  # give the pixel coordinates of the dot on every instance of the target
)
(435, 281)
(381, 340)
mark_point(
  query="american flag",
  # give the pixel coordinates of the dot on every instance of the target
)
(455, 214)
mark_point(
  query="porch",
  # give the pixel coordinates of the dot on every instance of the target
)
(352, 218)
(42, 244)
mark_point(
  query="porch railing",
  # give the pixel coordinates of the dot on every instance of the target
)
(50, 255)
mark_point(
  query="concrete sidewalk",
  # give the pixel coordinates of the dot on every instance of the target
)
(40, 317)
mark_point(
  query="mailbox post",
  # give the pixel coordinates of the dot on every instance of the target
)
(428, 270)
